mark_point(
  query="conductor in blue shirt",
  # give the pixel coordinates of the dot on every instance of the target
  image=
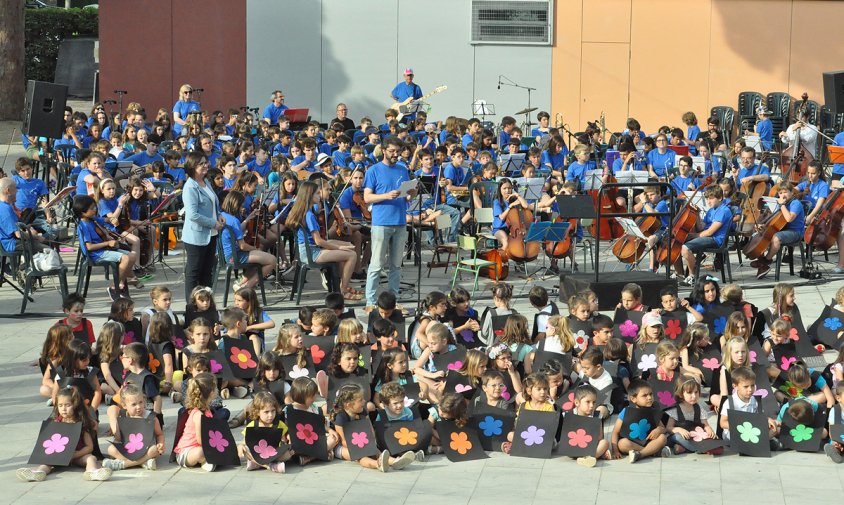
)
(389, 216)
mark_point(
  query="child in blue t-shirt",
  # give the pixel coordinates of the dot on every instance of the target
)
(577, 170)
(98, 248)
(651, 443)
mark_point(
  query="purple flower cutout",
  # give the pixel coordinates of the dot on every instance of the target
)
(533, 435)
(135, 444)
(467, 335)
(217, 441)
(262, 449)
(55, 444)
(628, 329)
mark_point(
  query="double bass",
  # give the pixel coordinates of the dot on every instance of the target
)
(796, 156)
(519, 222)
(607, 204)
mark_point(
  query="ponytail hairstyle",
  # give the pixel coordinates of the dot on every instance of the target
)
(564, 334)
(109, 341)
(434, 298)
(200, 389)
(80, 410)
(346, 394)
(285, 334)
(502, 291)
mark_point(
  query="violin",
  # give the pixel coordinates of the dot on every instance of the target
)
(684, 223)
(518, 221)
(822, 233)
(357, 199)
(760, 241)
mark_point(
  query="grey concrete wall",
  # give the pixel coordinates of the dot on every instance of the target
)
(321, 52)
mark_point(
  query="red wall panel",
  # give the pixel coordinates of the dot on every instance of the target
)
(152, 48)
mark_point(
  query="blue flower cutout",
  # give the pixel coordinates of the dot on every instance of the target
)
(833, 323)
(640, 430)
(491, 426)
(719, 325)
(841, 437)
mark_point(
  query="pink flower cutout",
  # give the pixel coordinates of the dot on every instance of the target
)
(128, 337)
(216, 366)
(408, 402)
(264, 450)
(505, 393)
(242, 358)
(305, 433)
(317, 354)
(786, 362)
(672, 329)
(55, 444)
(793, 335)
(628, 329)
(216, 440)
(462, 388)
(360, 439)
(455, 366)
(698, 434)
(178, 342)
(579, 438)
(752, 356)
(761, 393)
(569, 403)
(135, 444)
(647, 362)
(710, 363)
(666, 398)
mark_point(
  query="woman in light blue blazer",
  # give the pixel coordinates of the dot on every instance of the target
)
(203, 222)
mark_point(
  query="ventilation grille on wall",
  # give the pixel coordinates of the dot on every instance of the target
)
(512, 22)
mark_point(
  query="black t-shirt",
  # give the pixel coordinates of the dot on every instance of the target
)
(347, 123)
(705, 138)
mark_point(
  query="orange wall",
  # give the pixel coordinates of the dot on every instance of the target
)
(656, 59)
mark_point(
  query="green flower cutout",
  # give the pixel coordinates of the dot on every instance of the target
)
(791, 390)
(802, 432)
(748, 432)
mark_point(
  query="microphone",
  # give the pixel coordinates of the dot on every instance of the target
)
(499, 83)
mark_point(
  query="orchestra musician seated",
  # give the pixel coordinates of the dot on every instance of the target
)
(653, 203)
(792, 211)
(712, 232)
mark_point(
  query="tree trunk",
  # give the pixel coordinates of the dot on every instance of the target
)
(12, 84)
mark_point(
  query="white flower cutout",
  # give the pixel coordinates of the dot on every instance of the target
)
(408, 401)
(647, 362)
(298, 372)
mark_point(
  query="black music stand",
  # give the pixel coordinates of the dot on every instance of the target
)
(512, 163)
(544, 232)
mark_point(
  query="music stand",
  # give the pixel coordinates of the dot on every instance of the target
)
(754, 141)
(544, 232)
(482, 108)
(576, 206)
(592, 179)
(836, 154)
(633, 177)
(512, 162)
(529, 189)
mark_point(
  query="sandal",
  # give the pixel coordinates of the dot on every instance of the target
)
(352, 297)
(353, 291)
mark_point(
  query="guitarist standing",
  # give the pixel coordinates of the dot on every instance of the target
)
(407, 89)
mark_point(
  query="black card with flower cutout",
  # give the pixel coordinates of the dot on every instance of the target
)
(56, 443)
(218, 444)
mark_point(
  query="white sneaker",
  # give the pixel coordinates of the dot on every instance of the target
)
(30, 475)
(384, 461)
(420, 456)
(100, 474)
(666, 452)
(114, 464)
(404, 460)
(150, 464)
(587, 461)
(240, 391)
(208, 467)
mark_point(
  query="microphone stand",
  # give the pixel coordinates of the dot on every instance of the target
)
(509, 82)
(120, 94)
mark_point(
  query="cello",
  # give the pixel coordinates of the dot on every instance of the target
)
(760, 241)
(629, 249)
(684, 223)
(822, 233)
(606, 203)
(519, 222)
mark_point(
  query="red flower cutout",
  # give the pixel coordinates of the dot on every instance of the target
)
(579, 438)
(242, 358)
(793, 335)
(305, 433)
(317, 354)
(672, 329)
(569, 403)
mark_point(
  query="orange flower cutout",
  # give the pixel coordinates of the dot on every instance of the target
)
(153, 363)
(405, 436)
(460, 442)
(242, 358)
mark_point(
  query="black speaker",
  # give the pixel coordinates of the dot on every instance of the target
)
(833, 90)
(44, 110)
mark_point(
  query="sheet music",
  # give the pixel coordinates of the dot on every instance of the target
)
(407, 186)
(592, 180)
(771, 202)
(630, 227)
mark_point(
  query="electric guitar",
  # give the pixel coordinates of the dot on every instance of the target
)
(401, 107)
